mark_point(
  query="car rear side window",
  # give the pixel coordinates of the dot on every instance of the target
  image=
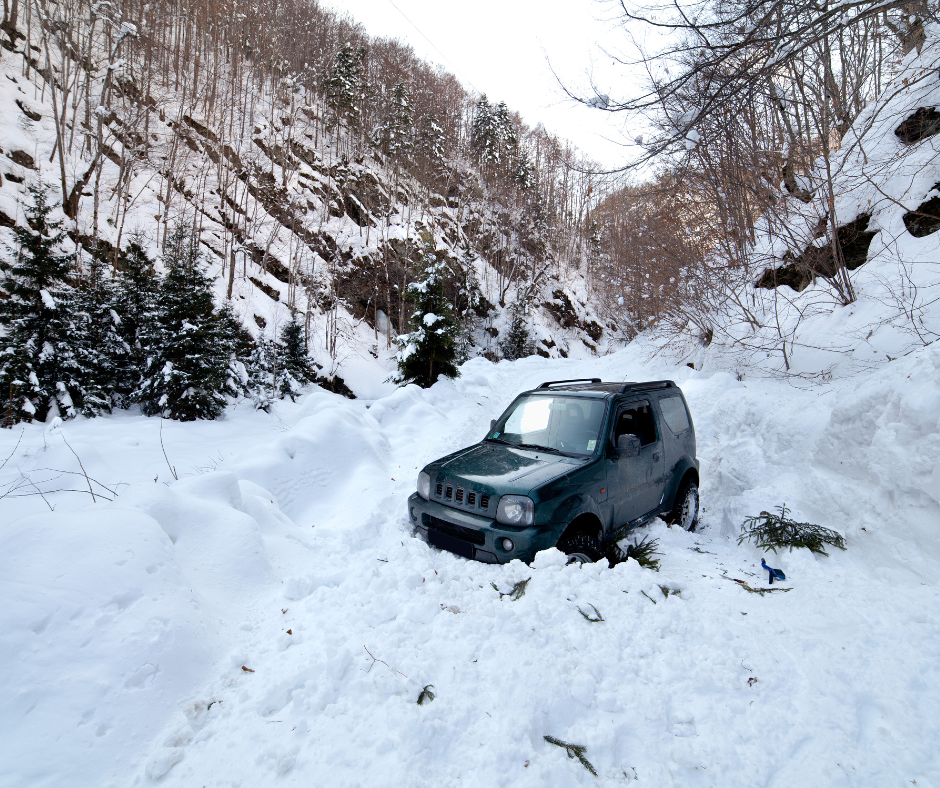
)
(675, 414)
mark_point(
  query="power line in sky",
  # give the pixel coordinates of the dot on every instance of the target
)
(447, 59)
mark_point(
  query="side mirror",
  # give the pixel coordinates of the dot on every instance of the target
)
(492, 424)
(628, 446)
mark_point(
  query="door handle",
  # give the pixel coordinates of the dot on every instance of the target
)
(656, 456)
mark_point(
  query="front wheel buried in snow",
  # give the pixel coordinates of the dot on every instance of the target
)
(685, 511)
(581, 548)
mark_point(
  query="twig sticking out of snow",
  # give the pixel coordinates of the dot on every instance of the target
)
(10, 455)
(596, 618)
(172, 468)
(87, 480)
(574, 751)
(376, 659)
(518, 590)
(760, 591)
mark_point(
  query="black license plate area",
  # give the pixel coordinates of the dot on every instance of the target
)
(450, 543)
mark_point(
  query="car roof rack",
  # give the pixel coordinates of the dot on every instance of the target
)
(549, 383)
(653, 384)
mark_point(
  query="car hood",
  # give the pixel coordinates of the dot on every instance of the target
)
(504, 469)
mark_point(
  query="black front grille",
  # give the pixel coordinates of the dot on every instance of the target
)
(460, 496)
(459, 531)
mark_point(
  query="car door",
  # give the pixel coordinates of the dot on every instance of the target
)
(635, 483)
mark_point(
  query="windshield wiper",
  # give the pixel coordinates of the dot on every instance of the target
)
(536, 447)
(499, 440)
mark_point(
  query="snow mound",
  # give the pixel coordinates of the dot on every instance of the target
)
(99, 624)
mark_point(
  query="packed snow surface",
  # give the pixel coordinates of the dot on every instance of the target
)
(268, 618)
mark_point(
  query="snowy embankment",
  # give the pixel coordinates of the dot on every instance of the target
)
(268, 618)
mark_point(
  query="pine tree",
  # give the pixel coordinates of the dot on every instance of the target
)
(484, 135)
(102, 352)
(468, 300)
(522, 174)
(39, 371)
(518, 342)
(262, 374)
(344, 88)
(187, 369)
(431, 145)
(506, 139)
(396, 134)
(239, 346)
(296, 367)
(429, 351)
(137, 288)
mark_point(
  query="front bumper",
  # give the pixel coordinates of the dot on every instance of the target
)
(477, 537)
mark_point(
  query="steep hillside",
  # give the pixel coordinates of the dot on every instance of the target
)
(297, 208)
(804, 311)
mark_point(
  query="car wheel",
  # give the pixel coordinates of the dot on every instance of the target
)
(581, 548)
(685, 512)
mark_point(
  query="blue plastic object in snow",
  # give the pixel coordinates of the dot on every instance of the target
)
(775, 574)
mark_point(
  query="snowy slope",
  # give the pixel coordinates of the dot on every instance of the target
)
(128, 625)
(878, 174)
(276, 198)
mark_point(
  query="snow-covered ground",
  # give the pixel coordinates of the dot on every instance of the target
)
(268, 619)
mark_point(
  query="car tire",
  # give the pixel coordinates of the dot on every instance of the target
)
(581, 548)
(685, 511)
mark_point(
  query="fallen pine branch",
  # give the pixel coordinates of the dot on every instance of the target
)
(751, 590)
(574, 751)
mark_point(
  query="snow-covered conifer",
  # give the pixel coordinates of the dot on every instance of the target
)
(396, 134)
(136, 291)
(430, 350)
(518, 341)
(430, 145)
(188, 356)
(296, 366)
(344, 85)
(39, 370)
(101, 350)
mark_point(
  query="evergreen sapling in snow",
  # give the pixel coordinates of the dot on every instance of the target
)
(297, 368)
(39, 369)
(188, 356)
(136, 291)
(240, 348)
(102, 352)
(430, 350)
(518, 342)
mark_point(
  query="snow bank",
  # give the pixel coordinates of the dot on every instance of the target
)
(98, 630)
(293, 622)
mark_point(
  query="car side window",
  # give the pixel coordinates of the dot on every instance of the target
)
(636, 419)
(674, 414)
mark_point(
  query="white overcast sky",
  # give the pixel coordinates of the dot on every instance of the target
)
(502, 48)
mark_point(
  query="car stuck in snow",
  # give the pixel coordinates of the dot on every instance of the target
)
(566, 465)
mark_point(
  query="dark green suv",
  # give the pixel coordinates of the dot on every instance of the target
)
(565, 465)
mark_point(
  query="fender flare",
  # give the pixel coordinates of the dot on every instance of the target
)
(574, 507)
(684, 467)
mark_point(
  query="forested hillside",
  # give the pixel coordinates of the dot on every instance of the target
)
(788, 226)
(284, 162)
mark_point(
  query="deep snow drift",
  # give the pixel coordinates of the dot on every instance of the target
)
(269, 619)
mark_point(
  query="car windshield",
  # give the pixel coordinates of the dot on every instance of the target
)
(566, 424)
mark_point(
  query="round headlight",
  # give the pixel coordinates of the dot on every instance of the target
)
(424, 485)
(515, 510)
